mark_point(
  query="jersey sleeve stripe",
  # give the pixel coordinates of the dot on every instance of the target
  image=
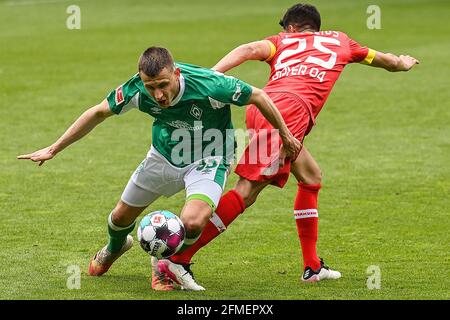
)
(273, 50)
(370, 56)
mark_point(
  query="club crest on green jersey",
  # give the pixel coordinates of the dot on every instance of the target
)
(196, 112)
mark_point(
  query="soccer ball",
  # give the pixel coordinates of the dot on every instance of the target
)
(161, 233)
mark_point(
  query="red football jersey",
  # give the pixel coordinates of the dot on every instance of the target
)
(308, 64)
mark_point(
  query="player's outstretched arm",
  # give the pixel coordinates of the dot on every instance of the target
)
(82, 126)
(291, 146)
(393, 63)
(257, 50)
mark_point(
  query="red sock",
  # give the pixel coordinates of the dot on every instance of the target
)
(307, 218)
(230, 206)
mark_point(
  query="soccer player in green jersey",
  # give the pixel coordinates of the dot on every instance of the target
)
(191, 105)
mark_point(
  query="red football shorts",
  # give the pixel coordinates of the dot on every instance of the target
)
(260, 159)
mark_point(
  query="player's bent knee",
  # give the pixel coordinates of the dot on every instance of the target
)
(314, 178)
(309, 177)
(195, 216)
(192, 227)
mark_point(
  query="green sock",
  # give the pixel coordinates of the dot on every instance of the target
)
(189, 242)
(117, 235)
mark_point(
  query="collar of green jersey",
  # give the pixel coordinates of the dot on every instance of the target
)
(180, 94)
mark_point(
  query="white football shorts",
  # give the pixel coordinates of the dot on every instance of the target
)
(156, 176)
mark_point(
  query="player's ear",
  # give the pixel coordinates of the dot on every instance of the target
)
(177, 72)
(291, 29)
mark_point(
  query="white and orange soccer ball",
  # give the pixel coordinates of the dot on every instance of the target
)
(161, 234)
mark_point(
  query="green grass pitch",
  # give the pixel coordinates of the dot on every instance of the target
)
(382, 140)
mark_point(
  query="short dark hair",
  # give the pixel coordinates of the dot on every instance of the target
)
(153, 60)
(301, 15)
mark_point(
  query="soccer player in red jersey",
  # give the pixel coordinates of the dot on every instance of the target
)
(304, 66)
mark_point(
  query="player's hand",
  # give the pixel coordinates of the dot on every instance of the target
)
(39, 156)
(408, 62)
(290, 149)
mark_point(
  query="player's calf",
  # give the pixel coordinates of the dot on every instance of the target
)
(195, 215)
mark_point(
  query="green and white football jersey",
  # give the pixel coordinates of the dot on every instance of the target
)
(198, 122)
